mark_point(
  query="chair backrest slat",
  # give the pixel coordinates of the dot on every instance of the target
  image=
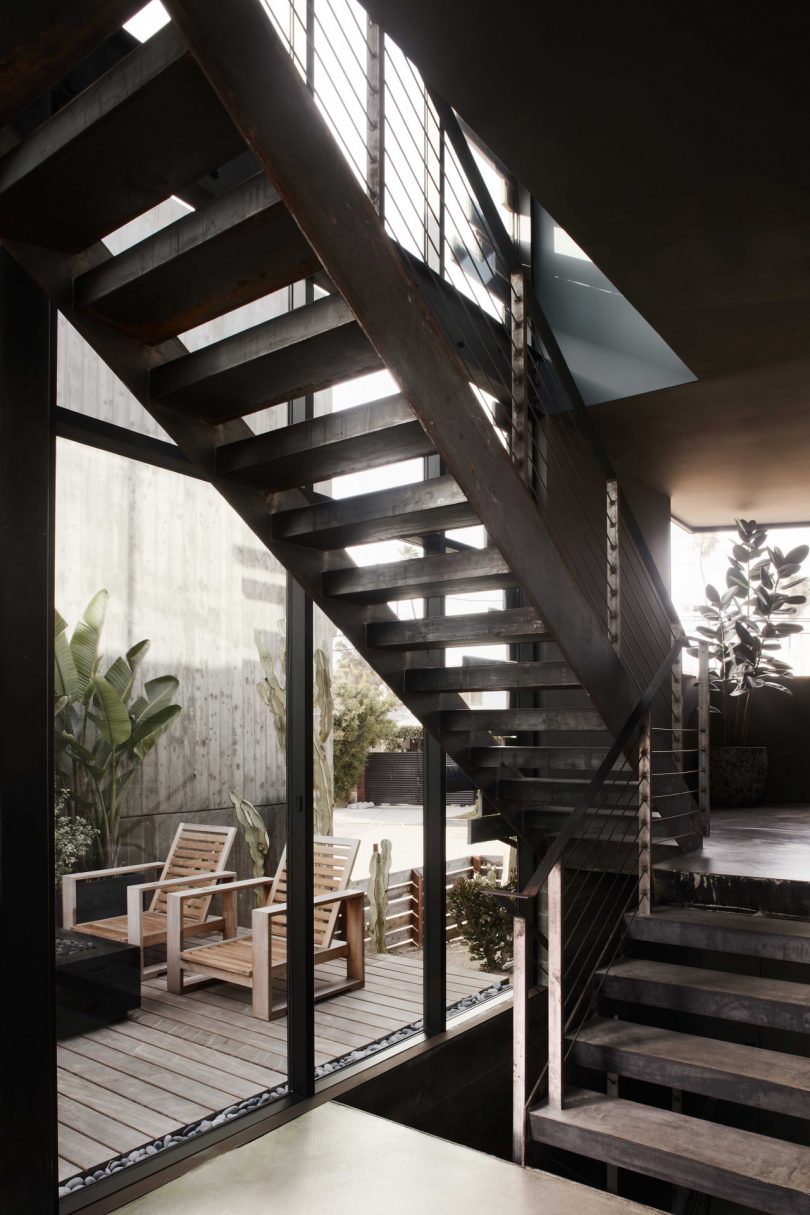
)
(195, 850)
(333, 861)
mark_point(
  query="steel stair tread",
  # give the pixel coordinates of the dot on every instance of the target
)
(510, 721)
(300, 351)
(729, 1071)
(437, 574)
(713, 993)
(236, 249)
(498, 676)
(726, 931)
(510, 625)
(101, 148)
(556, 758)
(348, 441)
(754, 1170)
(387, 514)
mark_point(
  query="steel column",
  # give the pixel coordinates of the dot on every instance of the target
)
(434, 812)
(704, 741)
(645, 817)
(300, 810)
(613, 569)
(520, 373)
(375, 116)
(521, 966)
(556, 993)
(28, 1126)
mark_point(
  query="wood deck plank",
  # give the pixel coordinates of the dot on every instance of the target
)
(178, 1059)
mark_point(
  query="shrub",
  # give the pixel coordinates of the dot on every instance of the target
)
(484, 924)
(73, 837)
(362, 707)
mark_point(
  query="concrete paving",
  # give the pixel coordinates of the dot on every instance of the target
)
(339, 1160)
(402, 825)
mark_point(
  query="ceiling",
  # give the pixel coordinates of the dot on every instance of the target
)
(670, 141)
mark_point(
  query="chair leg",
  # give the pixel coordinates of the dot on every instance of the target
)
(356, 957)
(262, 968)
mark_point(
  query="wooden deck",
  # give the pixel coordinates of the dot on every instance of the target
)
(178, 1059)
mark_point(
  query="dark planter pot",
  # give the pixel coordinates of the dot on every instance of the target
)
(737, 775)
(102, 898)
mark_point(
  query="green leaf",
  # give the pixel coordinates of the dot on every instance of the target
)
(114, 723)
(120, 676)
(797, 554)
(135, 657)
(85, 640)
(150, 729)
(67, 685)
(159, 694)
(712, 594)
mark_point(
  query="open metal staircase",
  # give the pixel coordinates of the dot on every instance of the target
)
(710, 1011)
(199, 105)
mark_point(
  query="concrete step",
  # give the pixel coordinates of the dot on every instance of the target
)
(710, 993)
(756, 1171)
(728, 1071)
(726, 932)
(513, 721)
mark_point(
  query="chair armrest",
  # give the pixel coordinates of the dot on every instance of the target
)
(135, 897)
(334, 896)
(70, 880)
(117, 872)
(246, 884)
(168, 883)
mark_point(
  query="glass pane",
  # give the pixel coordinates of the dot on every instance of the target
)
(143, 1065)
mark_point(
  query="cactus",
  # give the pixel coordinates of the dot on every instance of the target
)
(256, 837)
(379, 869)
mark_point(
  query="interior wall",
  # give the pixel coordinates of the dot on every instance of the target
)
(652, 508)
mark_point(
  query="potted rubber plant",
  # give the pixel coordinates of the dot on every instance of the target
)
(745, 625)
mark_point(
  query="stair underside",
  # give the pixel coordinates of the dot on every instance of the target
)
(728, 1071)
(754, 1170)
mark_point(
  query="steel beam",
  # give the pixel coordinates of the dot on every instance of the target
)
(28, 1126)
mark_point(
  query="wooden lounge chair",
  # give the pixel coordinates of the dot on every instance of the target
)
(196, 857)
(257, 958)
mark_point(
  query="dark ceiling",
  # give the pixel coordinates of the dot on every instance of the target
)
(671, 142)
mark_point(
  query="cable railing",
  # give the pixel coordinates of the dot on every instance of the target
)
(597, 876)
(460, 242)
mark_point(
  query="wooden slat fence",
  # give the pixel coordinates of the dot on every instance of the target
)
(405, 915)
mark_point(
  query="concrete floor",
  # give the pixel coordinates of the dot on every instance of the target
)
(761, 842)
(341, 1161)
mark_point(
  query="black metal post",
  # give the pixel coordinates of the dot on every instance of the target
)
(300, 814)
(434, 811)
(28, 1123)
